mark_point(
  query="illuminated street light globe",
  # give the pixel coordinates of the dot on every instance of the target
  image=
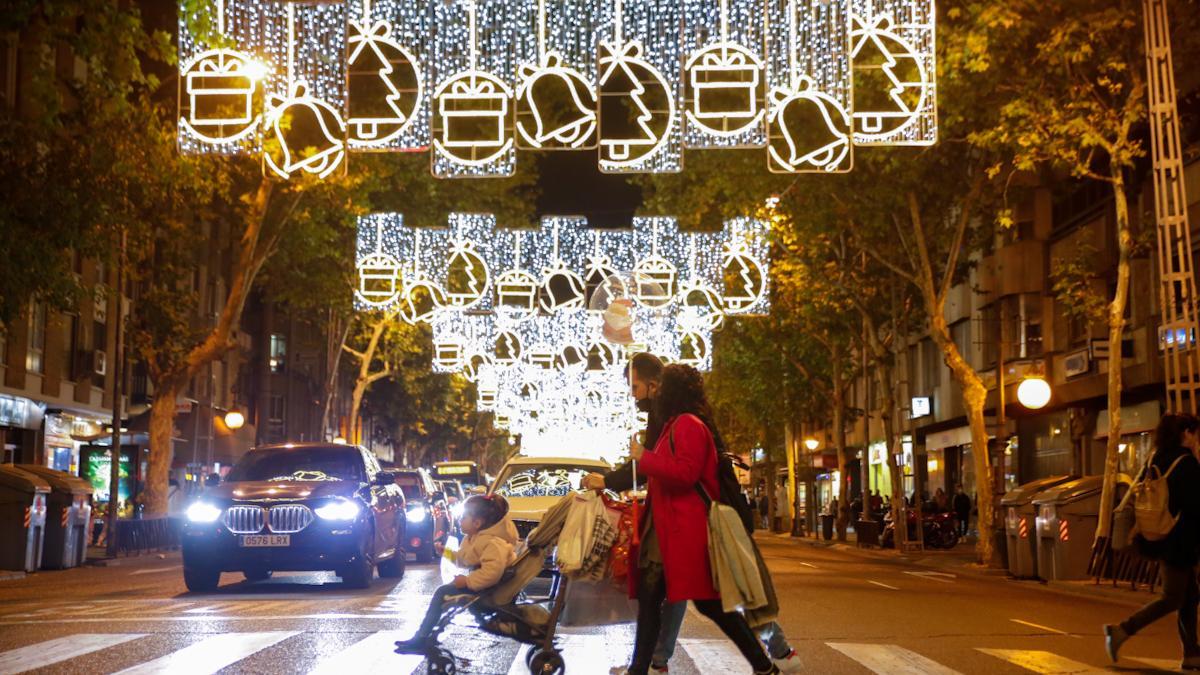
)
(1034, 392)
(234, 420)
(811, 444)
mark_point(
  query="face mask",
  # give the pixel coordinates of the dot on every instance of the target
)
(645, 404)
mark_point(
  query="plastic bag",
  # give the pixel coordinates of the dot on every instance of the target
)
(448, 564)
(597, 557)
(575, 539)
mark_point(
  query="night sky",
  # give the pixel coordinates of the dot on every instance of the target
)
(572, 185)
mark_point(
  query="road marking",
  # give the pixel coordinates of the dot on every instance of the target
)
(714, 656)
(1042, 662)
(154, 570)
(1041, 627)
(1169, 665)
(210, 654)
(207, 609)
(880, 583)
(808, 564)
(374, 654)
(583, 654)
(935, 576)
(890, 659)
(60, 649)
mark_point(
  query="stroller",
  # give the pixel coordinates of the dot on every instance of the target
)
(507, 610)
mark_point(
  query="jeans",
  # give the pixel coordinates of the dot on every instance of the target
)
(668, 633)
(1181, 594)
(964, 522)
(652, 592)
(772, 636)
(436, 605)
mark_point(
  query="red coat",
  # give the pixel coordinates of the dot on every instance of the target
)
(680, 515)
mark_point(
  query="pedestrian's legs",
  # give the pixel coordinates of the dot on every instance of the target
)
(1176, 582)
(772, 636)
(736, 629)
(652, 590)
(1187, 617)
(668, 632)
(436, 603)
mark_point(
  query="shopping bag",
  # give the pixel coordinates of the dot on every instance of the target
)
(597, 605)
(604, 534)
(735, 567)
(447, 563)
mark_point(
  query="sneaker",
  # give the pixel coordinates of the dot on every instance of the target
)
(416, 644)
(658, 669)
(789, 664)
(1114, 637)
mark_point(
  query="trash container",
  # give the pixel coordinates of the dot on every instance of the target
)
(827, 526)
(67, 518)
(1020, 526)
(22, 518)
(1066, 523)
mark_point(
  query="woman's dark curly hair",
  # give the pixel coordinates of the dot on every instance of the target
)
(682, 391)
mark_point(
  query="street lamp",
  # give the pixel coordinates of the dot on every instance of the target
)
(812, 444)
(234, 419)
(1034, 392)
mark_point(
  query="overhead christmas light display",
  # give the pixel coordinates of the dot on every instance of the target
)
(475, 81)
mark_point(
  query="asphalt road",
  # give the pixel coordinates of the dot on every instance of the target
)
(844, 613)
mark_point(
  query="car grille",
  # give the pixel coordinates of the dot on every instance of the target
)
(524, 527)
(289, 518)
(245, 519)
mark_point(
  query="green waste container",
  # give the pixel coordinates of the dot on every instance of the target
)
(1020, 524)
(1066, 524)
(67, 519)
(22, 518)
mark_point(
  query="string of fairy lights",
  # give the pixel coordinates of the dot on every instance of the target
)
(472, 82)
(523, 313)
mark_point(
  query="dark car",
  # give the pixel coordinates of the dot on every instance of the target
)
(429, 518)
(456, 499)
(297, 507)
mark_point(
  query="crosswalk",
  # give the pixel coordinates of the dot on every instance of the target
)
(585, 654)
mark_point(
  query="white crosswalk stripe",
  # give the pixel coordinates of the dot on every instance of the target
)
(60, 649)
(1169, 665)
(210, 654)
(374, 654)
(890, 659)
(714, 656)
(1046, 663)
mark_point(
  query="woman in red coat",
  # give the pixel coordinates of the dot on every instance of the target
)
(673, 559)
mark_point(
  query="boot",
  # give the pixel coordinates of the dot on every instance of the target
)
(417, 644)
(1114, 637)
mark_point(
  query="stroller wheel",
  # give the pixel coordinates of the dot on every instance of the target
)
(442, 664)
(546, 663)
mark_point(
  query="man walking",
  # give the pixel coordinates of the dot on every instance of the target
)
(962, 510)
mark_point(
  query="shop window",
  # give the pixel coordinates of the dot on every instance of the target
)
(278, 353)
(35, 356)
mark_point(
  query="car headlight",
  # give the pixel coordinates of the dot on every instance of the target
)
(203, 512)
(457, 510)
(339, 510)
(417, 514)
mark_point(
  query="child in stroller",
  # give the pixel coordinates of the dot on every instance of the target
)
(497, 599)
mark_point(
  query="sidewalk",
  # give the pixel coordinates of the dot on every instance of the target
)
(961, 560)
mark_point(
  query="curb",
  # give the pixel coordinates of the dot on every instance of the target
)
(11, 576)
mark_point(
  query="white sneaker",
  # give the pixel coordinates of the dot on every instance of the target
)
(789, 664)
(618, 670)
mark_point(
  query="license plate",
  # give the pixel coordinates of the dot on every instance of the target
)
(256, 540)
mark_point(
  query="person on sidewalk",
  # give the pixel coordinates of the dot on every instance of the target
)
(1177, 438)
(962, 510)
(764, 510)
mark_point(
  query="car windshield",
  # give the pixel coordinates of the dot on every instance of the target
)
(542, 480)
(300, 464)
(451, 489)
(410, 485)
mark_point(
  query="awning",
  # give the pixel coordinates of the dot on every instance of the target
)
(1135, 419)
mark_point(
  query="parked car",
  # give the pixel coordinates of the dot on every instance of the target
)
(297, 507)
(533, 484)
(429, 518)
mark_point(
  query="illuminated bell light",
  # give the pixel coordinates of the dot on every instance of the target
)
(812, 444)
(556, 107)
(308, 134)
(1033, 392)
(234, 419)
(810, 131)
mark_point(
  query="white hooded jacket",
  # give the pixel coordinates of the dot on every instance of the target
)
(488, 552)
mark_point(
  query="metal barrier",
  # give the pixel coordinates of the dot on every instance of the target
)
(1123, 565)
(143, 535)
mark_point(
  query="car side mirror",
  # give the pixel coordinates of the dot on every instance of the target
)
(385, 478)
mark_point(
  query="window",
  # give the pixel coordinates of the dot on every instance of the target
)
(278, 353)
(1031, 314)
(989, 334)
(277, 417)
(70, 327)
(960, 332)
(931, 364)
(35, 357)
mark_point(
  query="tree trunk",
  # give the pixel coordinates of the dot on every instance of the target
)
(839, 441)
(338, 329)
(162, 448)
(1116, 329)
(884, 373)
(365, 377)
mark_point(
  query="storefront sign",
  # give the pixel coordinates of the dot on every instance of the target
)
(921, 407)
(878, 453)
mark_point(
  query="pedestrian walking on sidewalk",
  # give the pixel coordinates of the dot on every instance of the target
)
(764, 510)
(962, 510)
(1177, 440)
